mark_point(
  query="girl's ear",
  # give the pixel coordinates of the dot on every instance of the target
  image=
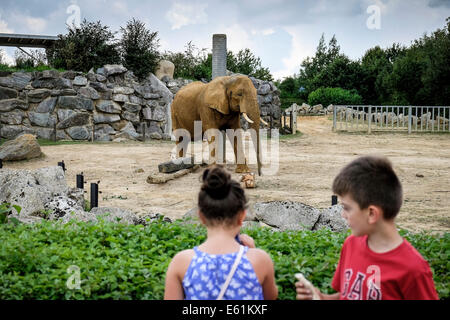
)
(201, 217)
(241, 216)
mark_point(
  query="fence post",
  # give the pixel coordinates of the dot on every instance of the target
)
(334, 118)
(94, 195)
(409, 119)
(370, 119)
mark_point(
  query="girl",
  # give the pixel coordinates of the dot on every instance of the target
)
(221, 268)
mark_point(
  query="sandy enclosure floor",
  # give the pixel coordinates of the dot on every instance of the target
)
(307, 167)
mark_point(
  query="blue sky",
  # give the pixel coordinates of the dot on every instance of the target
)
(281, 32)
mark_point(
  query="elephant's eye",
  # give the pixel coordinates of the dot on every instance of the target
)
(239, 94)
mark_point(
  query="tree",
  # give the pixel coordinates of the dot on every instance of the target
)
(139, 48)
(89, 46)
(247, 63)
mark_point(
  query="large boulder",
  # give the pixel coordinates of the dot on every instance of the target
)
(165, 68)
(23, 147)
(111, 69)
(287, 215)
(331, 218)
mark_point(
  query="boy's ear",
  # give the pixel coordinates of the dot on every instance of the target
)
(375, 213)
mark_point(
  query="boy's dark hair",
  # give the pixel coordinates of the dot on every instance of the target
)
(370, 180)
(220, 197)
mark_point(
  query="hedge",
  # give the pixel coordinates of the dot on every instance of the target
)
(339, 96)
(118, 261)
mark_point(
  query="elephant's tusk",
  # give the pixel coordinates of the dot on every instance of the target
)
(246, 117)
(264, 123)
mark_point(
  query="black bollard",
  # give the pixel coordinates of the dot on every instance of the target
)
(80, 181)
(62, 165)
(1, 163)
(334, 200)
(94, 195)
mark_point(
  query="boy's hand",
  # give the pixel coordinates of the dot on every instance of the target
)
(303, 293)
(246, 240)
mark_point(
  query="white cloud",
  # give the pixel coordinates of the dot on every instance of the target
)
(6, 58)
(35, 25)
(300, 49)
(182, 14)
(4, 27)
(264, 32)
(237, 38)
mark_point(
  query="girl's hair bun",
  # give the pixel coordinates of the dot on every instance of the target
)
(216, 183)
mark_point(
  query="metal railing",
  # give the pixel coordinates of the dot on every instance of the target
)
(391, 118)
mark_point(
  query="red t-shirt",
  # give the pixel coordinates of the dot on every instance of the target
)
(399, 274)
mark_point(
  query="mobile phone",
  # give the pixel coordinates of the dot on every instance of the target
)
(237, 239)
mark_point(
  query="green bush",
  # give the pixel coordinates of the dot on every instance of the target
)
(139, 48)
(119, 261)
(337, 96)
(89, 46)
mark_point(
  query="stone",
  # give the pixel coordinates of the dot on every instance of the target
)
(7, 93)
(48, 105)
(137, 100)
(331, 218)
(159, 87)
(165, 68)
(63, 92)
(58, 83)
(45, 133)
(111, 69)
(287, 215)
(11, 104)
(78, 133)
(101, 87)
(159, 114)
(155, 136)
(132, 107)
(41, 119)
(76, 103)
(80, 81)
(92, 77)
(63, 114)
(264, 89)
(133, 117)
(89, 92)
(38, 95)
(24, 147)
(176, 165)
(104, 129)
(123, 136)
(18, 80)
(130, 130)
(60, 206)
(71, 75)
(12, 131)
(109, 106)
(105, 118)
(123, 90)
(13, 117)
(100, 78)
(74, 120)
(119, 125)
(317, 108)
(120, 98)
(147, 113)
(32, 189)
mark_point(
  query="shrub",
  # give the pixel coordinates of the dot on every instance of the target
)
(89, 46)
(139, 48)
(119, 261)
(327, 96)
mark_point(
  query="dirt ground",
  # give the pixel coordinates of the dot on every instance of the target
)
(307, 165)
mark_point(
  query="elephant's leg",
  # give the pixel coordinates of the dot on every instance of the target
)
(238, 148)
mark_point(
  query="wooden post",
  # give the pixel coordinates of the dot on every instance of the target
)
(143, 125)
(370, 120)
(54, 132)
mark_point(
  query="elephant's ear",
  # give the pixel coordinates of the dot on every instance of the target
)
(215, 96)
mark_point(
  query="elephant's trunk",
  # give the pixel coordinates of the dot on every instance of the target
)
(252, 111)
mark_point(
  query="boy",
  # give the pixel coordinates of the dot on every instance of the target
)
(376, 262)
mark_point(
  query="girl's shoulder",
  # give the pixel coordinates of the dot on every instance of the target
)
(180, 262)
(258, 256)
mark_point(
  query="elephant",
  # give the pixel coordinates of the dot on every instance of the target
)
(219, 104)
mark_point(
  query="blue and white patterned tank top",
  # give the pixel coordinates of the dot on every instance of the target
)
(207, 273)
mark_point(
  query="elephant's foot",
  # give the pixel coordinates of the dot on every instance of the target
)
(242, 168)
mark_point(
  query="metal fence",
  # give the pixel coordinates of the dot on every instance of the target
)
(391, 118)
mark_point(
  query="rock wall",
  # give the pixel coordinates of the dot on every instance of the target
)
(111, 103)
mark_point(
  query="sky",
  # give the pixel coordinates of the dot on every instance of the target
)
(281, 32)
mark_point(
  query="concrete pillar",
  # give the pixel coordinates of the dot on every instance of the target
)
(219, 55)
